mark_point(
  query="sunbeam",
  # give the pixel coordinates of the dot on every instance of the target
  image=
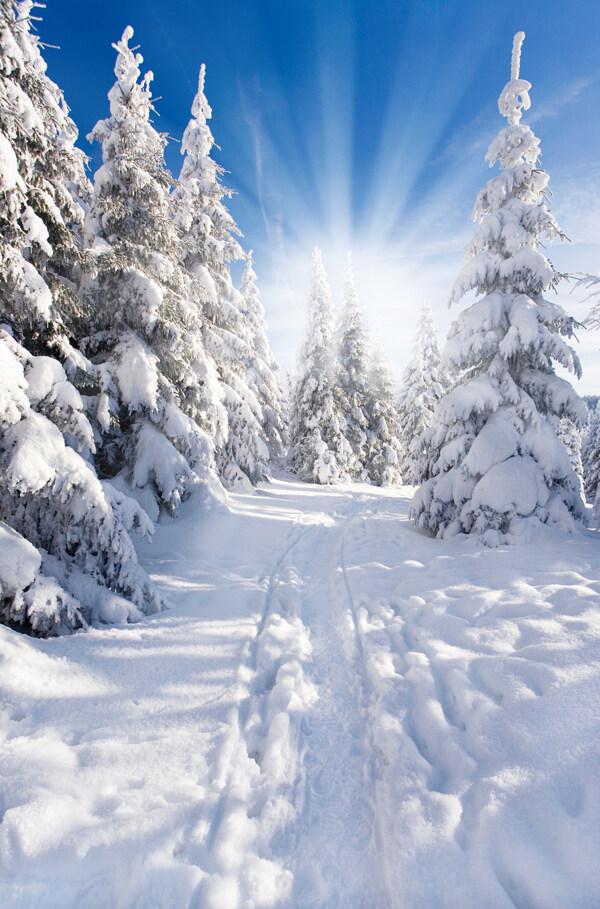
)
(362, 127)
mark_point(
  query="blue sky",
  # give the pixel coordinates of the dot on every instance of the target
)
(359, 125)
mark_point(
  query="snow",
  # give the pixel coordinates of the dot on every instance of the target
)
(335, 711)
(9, 168)
(136, 373)
(19, 561)
(35, 229)
(516, 484)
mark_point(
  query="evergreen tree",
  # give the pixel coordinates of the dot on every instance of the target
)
(422, 387)
(382, 460)
(570, 436)
(71, 530)
(261, 368)
(43, 187)
(590, 450)
(66, 557)
(147, 337)
(498, 468)
(317, 444)
(590, 456)
(207, 231)
(351, 375)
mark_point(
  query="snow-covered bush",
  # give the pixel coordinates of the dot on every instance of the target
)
(497, 466)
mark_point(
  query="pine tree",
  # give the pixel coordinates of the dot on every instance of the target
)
(261, 369)
(570, 436)
(317, 444)
(498, 468)
(66, 557)
(351, 374)
(422, 387)
(590, 456)
(207, 231)
(382, 460)
(590, 448)
(147, 337)
(43, 187)
(71, 530)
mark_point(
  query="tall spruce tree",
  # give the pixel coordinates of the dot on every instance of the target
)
(382, 460)
(66, 557)
(208, 238)
(147, 338)
(262, 371)
(351, 375)
(498, 468)
(590, 449)
(422, 387)
(590, 456)
(318, 449)
(45, 188)
(570, 436)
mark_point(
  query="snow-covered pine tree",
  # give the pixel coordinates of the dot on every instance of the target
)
(261, 369)
(590, 456)
(317, 446)
(382, 461)
(207, 232)
(570, 436)
(590, 447)
(498, 468)
(66, 557)
(71, 530)
(43, 184)
(155, 407)
(423, 384)
(351, 373)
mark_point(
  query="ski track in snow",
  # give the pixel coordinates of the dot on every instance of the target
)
(335, 712)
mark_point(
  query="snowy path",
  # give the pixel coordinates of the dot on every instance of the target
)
(336, 712)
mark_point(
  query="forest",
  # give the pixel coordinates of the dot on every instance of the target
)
(136, 374)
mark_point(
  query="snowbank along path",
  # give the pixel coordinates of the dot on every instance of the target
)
(335, 712)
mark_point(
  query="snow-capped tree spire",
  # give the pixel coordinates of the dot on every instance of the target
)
(514, 98)
(201, 109)
(515, 61)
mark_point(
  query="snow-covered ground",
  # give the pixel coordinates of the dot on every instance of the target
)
(335, 712)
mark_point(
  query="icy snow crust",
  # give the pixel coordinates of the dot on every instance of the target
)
(336, 712)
